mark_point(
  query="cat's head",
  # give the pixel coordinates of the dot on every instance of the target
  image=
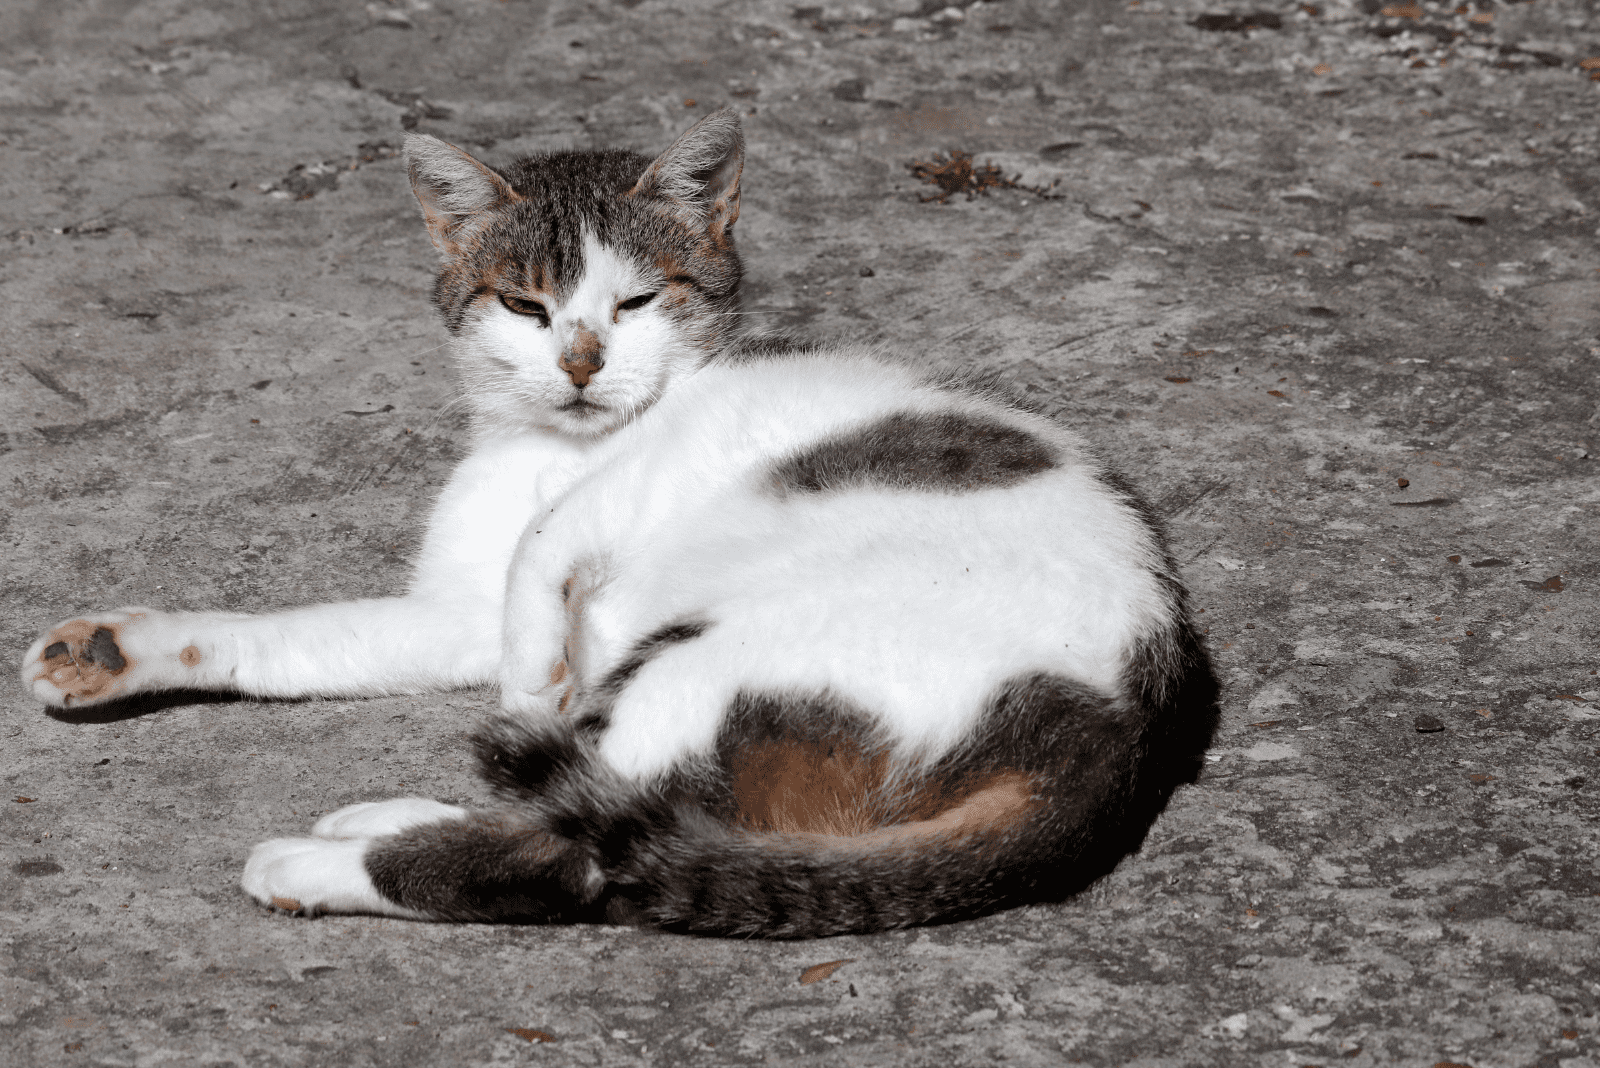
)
(581, 285)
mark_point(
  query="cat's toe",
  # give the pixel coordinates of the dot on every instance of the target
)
(310, 876)
(81, 662)
(374, 819)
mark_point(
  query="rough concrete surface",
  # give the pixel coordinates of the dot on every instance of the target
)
(1324, 280)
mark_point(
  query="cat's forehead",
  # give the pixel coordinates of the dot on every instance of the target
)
(548, 246)
(574, 214)
(549, 249)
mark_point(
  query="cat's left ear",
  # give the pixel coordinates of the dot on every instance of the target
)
(451, 186)
(698, 175)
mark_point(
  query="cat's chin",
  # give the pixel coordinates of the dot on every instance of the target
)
(584, 419)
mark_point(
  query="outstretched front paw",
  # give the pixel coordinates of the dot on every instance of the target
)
(82, 661)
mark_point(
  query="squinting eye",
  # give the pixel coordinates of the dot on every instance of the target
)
(636, 302)
(525, 307)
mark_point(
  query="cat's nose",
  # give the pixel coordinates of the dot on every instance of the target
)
(583, 358)
(581, 368)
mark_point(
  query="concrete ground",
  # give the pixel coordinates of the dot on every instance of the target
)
(1325, 280)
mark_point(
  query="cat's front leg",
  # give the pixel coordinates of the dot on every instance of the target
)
(425, 641)
(539, 663)
(537, 676)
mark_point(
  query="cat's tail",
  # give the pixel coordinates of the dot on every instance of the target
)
(800, 824)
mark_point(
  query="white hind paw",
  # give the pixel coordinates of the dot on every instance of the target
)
(309, 876)
(374, 819)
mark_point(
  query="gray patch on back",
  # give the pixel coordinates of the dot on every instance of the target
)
(929, 451)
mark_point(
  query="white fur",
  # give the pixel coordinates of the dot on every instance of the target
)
(317, 875)
(327, 872)
(914, 605)
(510, 363)
(373, 819)
(445, 633)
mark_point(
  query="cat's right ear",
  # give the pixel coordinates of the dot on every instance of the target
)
(698, 174)
(451, 186)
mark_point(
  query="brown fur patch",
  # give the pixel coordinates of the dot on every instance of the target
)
(85, 660)
(724, 213)
(190, 655)
(670, 266)
(787, 787)
(835, 789)
(1004, 799)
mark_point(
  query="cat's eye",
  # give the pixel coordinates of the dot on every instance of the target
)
(637, 302)
(523, 306)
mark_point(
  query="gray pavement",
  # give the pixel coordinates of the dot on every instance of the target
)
(1325, 281)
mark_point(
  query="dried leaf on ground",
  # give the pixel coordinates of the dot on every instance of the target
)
(532, 1034)
(955, 173)
(818, 972)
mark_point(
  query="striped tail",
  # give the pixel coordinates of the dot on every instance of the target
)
(801, 823)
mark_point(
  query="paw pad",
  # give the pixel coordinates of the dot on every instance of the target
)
(83, 660)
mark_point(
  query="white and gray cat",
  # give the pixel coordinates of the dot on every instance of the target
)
(791, 642)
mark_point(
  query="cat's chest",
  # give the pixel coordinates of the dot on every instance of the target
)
(505, 484)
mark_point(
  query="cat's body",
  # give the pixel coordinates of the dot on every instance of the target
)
(813, 646)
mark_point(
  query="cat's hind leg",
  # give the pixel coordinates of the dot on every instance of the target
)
(326, 872)
(311, 876)
(372, 819)
(468, 866)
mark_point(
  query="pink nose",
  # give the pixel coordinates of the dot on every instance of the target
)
(583, 359)
(581, 368)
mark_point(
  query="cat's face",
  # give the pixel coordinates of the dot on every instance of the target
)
(584, 358)
(580, 286)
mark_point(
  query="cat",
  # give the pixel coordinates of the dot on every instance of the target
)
(791, 641)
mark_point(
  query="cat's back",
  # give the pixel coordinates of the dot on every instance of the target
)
(821, 419)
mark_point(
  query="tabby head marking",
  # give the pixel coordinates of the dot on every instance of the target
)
(580, 285)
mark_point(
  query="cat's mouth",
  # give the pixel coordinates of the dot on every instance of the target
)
(580, 406)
